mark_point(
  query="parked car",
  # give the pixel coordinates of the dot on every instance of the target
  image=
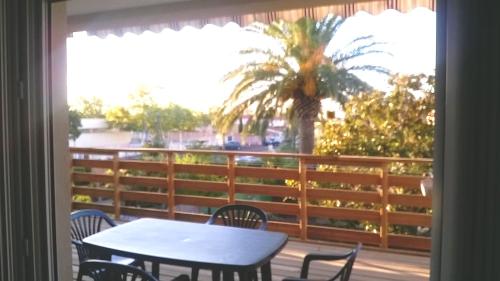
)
(272, 141)
(232, 145)
(249, 161)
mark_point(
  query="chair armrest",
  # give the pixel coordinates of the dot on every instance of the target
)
(77, 243)
(323, 257)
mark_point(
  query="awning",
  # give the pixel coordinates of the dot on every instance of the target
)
(197, 13)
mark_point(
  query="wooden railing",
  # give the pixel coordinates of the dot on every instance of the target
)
(324, 197)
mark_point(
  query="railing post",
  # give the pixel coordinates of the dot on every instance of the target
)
(171, 185)
(72, 182)
(303, 198)
(231, 175)
(384, 215)
(117, 186)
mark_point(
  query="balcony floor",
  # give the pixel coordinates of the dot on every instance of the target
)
(371, 265)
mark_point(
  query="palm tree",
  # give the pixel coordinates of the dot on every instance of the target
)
(294, 76)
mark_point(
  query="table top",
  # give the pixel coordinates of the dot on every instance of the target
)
(189, 244)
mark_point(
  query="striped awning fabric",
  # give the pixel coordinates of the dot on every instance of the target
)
(157, 24)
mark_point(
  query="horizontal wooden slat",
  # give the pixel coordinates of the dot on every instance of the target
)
(350, 178)
(343, 213)
(267, 173)
(141, 212)
(410, 219)
(270, 190)
(292, 229)
(199, 201)
(345, 195)
(106, 164)
(411, 182)
(183, 216)
(308, 157)
(375, 163)
(144, 181)
(411, 200)
(201, 169)
(93, 150)
(81, 205)
(148, 166)
(94, 192)
(272, 207)
(409, 242)
(358, 160)
(198, 185)
(91, 177)
(342, 235)
(152, 197)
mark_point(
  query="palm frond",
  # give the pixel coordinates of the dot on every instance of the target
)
(273, 68)
(360, 39)
(264, 52)
(343, 56)
(328, 27)
(230, 111)
(367, 67)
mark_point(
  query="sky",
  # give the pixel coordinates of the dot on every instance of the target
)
(186, 67)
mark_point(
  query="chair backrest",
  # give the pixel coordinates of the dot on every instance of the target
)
(243, 216)
(85, 223)
(345, 272)
(98, 270)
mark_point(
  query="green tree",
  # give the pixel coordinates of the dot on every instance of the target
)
(144, 115)
(120, 117)
(301, 71)
(397, 124)
(91, 108)
(74, 124)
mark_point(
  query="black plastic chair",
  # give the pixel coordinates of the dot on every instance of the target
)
(99, 270)
(342, 275)
(240, 216)
(237, 215)
(87, 222)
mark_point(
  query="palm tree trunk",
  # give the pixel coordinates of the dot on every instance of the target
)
(306, 110)
(306, 134)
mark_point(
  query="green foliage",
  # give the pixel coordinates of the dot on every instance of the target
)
(74, 124)
(81, 198)
(144, 115)
(397, 124)
(298, 71)
(119, 117)
(91, 108)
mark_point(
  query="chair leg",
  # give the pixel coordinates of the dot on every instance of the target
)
(252, 275)
(227, 275)
(141, 265)
(194, 273)
(265, 272)
(216, 275)
(155, 269)
(246, 275)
